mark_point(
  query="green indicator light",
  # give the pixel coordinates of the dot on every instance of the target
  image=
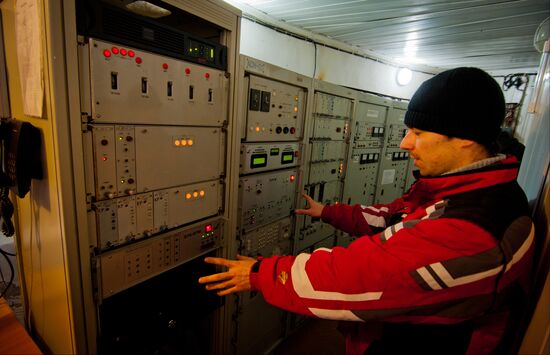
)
(287, 157)
(258, 161)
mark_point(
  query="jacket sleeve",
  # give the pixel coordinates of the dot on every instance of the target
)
(359, 220)
(374, 278)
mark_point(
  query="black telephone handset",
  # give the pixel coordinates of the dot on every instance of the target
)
(21, 158)
(20, 163)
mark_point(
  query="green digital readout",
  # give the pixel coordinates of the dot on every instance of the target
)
(287, 158)
(258, 161)
(201, 51)
(274, 151)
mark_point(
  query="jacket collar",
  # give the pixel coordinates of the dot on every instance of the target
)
(439, 187)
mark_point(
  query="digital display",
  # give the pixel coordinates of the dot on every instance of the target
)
(201, 50)
(274, 151)
(258, 161)
(287, 158)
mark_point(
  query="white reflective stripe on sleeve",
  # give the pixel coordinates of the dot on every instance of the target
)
(425, 274)
(387, 233)
(397, 227)
(383, 209)
(335, 314)
(374, 221)
(444, 275)
(429, 211)
(523, 249)
(304, 288)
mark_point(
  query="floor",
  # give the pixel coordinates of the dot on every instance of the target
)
(316, 336)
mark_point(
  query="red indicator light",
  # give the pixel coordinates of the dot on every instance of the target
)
(107, 53)
(208, 228)
(123, 51)
(207, 75)
(187, 71)
(115, 50)
(131, 54)
(138, 60)
(104, 158)
(292, 178)
(164, 66)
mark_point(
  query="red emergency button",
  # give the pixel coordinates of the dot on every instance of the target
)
(187, 71)
(138, 60)
(164, 66)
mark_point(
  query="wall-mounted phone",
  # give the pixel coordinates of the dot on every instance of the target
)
(21, 160)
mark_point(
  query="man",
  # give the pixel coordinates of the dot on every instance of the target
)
(438, 271)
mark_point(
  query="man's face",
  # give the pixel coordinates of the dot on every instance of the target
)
(433, 153)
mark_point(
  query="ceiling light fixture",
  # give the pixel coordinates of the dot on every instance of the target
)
(404, 76)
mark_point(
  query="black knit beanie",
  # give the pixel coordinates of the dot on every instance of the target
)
(463, 102)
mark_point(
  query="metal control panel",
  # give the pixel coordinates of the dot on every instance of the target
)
(269, 156)
(130, 159)
(394, 162)
(370, 123)
(328, 149)
(133, 86)
(124, 219)
(313, 229)
(154, 143)
(272, 239)
(122, 268)
(396, 128)
(324, 151)
(361, 176)
(368, 139)
(275, 111)
(327, 104)
(266, 197)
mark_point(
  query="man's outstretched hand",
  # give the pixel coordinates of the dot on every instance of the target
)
(235, 279)
(313, 208)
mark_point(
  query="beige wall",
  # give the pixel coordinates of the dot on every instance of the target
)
(40, 234)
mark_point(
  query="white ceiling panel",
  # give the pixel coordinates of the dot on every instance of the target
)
(493, 35)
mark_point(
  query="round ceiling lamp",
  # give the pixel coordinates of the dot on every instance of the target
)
(404, 76)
